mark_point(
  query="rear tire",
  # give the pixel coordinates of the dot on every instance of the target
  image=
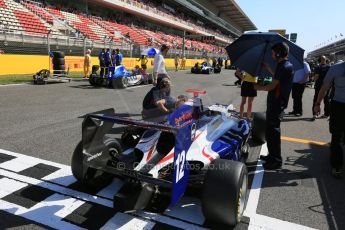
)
(259, 128)
(92, 177)
(224, 195)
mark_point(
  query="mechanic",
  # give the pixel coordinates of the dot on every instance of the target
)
(159, 70)
(277, 100)
(87, 63)
(300, 80)
(102, 61)
(158, 101)
(320, 73)
(335, 77)
(118, 57)
(107, 60)
(113, 58)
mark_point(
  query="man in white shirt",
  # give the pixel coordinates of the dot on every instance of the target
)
(159, 70)
(299, 80)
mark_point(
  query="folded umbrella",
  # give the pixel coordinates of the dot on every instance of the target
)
(249, 51)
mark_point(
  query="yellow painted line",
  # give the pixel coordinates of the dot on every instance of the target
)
(304, 141)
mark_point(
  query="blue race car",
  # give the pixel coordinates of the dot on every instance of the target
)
(197, 149)
(119, 77)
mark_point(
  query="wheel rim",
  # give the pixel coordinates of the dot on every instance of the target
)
(113, 152)
(242, 198)
(125, 81)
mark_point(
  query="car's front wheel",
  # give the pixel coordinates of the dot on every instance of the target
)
(224, 195)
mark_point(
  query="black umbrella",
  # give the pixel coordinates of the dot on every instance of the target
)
(249, 51)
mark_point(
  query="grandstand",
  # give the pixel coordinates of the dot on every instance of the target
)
(35, 27)
(335, 51)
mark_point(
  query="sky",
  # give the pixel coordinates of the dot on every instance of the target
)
(315, 21)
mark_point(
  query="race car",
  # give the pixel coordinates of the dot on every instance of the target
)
(119, 77)
(205, 68)
(196, 149)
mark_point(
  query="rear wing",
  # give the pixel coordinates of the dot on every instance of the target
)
(181, 123)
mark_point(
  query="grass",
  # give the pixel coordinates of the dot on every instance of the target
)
(25, 78)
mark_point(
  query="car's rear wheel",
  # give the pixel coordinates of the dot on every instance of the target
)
(259, 128)
(90, 176)
(224, 195)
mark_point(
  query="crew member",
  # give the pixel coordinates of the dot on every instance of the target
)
(157, 101)
(299, 81)
(248, 93)
(159, 70)
(102, 61)
(277, 100)
(118, 57)
(87, 63)
(335, 77)
(320, 73)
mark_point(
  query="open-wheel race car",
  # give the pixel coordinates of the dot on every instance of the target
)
(197, 149)
(205, 68)
(119, 77)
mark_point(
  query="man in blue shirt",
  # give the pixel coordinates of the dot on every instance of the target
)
(336, 77)
(299, 80)
(277, 100)
(101, 61)
(118, 57)
(107, 60)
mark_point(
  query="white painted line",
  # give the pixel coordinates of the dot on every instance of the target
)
(37, 216)
(58, 188)
(168, 220)
(260, 222)
(14, 84)
(62, 177)
(254, 194)
(54, 207)
(29, 158)
(9, 186)
(20, 163)
(122, 221)
(110, 191)
(138, 86)
(188, 209)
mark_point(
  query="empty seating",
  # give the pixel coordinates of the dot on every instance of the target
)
(17, 18)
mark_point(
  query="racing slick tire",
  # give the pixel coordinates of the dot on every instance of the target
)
(95, 80)
(259, 128)
(58, 54)
(58, 61)
(120, 82)
(92, 177)
(224, 195)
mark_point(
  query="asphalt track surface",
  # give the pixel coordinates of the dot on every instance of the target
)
(40, 129)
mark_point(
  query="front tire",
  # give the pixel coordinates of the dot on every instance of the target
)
(122, 82)
(224, 195)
